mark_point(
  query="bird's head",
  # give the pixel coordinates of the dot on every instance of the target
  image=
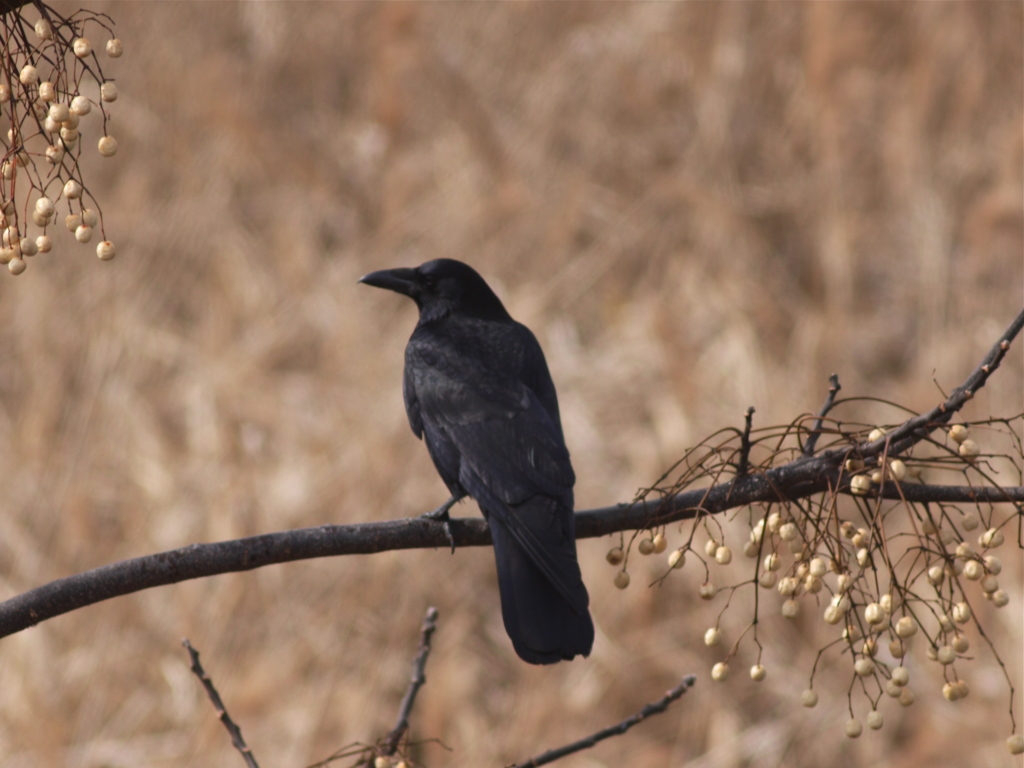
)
(440, 288)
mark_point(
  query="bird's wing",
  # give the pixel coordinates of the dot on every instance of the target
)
(510, 457)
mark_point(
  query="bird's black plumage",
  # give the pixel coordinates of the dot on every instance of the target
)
(478, 392)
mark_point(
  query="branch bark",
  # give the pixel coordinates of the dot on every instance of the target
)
(800, 478)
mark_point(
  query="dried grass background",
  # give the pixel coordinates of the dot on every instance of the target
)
(697, 207)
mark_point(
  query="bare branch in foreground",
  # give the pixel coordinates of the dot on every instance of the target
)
(222, 712)
(833, 390)
(800, 478)
(654, 708)
(390, 745)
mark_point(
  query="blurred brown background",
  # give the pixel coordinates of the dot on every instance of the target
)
(697, 207)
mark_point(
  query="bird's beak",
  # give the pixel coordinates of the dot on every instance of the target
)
(401, 280)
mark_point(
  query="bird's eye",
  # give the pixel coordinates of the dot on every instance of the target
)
(428, 281)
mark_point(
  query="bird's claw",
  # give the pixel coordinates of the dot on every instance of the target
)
(441, 515)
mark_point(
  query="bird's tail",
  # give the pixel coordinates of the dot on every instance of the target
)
(545, 626)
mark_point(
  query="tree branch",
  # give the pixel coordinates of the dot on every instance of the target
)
(654, 708)
(804, 476)
(390, 745)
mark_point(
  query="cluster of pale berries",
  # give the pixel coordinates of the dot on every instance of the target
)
(807, 577)
(60, 117)
(383, 761)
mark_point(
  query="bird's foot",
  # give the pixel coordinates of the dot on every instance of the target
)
(441, 515)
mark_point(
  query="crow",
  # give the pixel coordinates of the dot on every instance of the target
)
(478, 393)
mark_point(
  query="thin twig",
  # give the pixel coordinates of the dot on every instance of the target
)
(744, 462)
(833, 390)
(222, 712)
(654, 708)
(390, 745)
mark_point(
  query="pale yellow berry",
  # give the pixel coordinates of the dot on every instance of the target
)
(945, 655)
(973, 570)
(6, 254)
(876, 477)
(945, 623)
(72, 221)
(11, 237)
(108, 92)
(82, 47)
(47, 92)
(852, 633)
(936, 574)
(958, 432)
(969, 449)
(842, 602)
(1000, 598)
(90, 218)
(381, 761)
(961, 613)
(72, 190)
(847, 529)
(660, 543)
(885, 600)
(28, 75)
(767, 579)
(5, 93)
(802, 569)
(80, 105)
(105, 250)
(710, 547)
(677, 558)
(772, 562)
(960, 644)
(989, 584)
(863, 557)
(817, 567)
(44, 243)
(893, 689)
(928, 527)
(809, 698)
(83, 234)
(646, 546)
(843, 582)
(993, 565)
(45, 206)
(991, 538)
(860, 485)
(897, 469)
(29, 247)
(751, 549)
(870, 647)
(115, 48)
(712, 637)
(874, 614)
(900, 676)
(790, 608)
(950, 692)
(876, 434)
(853, 465)
(788, 531)
(615, 556)
(813, 584)
(1015, 744)
(969, 521)
(59, 112)
(16, 265)
(896, 649)
(723, 555)
(853, 728)
(758, 673)
(54, 154)
(864, 667)
(906, 697)
(906, 627)
(622, 579)
(775, 521)
(69, 136)
(707, 590)
(832, 615)
(107, 146)
(720, 671)
(874, 720)
(788, 586)
(43, 29)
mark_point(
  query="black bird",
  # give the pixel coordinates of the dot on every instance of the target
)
(478, 392)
